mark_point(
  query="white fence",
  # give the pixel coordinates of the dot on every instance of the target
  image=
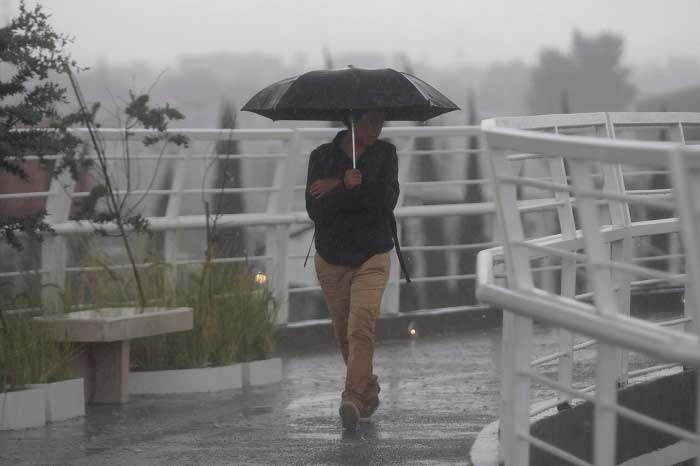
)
(578, 273)
(274, 172)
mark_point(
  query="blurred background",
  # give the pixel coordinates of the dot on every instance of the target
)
(492, 58)
(515, 58)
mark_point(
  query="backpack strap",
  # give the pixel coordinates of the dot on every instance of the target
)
(308, 253)
(395, 236)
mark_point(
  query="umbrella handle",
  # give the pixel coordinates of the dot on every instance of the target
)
(352, 133)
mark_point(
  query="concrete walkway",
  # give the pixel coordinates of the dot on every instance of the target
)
(437, 393)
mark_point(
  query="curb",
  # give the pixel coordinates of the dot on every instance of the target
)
(41, 403)
(22, 409)
(206, 379)
(63, 400)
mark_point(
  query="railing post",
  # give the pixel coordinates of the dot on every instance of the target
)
(280, 279)
(54, 253)
(567, 226)
(604, 418)
(515, 389)
(392, 294)
(277, 240)
(621, 250)
(517, 330)
(682, 186)
(172, 211)
(676, 133)
(609, 357)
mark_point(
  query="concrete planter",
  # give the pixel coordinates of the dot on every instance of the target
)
(22, 409)
(63, 400)
(265, 372)
(207, 379)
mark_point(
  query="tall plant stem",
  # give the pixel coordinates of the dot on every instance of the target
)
(113, 201)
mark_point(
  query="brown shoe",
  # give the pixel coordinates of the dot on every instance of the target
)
(371, 397)
(349, 414)
(373, 388)
(368, 409)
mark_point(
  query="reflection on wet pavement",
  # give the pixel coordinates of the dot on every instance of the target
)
(437, 393)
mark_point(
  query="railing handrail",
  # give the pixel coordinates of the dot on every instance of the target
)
(651, 153)
(609, 277)
(279, 215)
(582, 120)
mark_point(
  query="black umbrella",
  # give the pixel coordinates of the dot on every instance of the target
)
(332, 95)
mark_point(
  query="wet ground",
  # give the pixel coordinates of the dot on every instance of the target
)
(437, 394)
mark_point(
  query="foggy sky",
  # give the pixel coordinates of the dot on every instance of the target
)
(441, 32)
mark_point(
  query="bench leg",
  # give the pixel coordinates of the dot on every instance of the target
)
(81, 367)
(111, 369)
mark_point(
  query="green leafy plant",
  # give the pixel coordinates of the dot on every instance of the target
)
(31, 54)
(30, 122)
(106, 203)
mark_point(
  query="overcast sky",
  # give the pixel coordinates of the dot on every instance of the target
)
(440, 32)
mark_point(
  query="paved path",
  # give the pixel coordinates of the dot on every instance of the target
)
(437, 393)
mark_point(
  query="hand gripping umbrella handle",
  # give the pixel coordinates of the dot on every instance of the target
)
(352, 135)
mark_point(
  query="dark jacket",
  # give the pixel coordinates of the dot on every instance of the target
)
(352, 225)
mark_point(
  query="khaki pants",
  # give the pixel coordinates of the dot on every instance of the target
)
(353, 296)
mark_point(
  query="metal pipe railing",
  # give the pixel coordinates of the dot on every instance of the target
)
(605, 252)
(286, 149)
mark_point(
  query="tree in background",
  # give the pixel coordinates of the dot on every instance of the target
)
(327, 58)
(591, 74)
(30, 124)
(229, 175)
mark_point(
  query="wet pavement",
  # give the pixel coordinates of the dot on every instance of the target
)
(437, 394)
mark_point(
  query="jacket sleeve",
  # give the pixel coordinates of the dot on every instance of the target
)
(380, 197)
(328, 204)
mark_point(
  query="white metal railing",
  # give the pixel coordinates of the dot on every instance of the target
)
(274, 200)
(597, 227)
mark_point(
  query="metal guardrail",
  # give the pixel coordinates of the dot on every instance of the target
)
(279, 211)
(598, 225)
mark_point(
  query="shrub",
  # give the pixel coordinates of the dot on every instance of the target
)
(233, 322)
(30, 124)
(28, 355)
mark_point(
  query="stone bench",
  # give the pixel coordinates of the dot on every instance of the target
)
(102, 337)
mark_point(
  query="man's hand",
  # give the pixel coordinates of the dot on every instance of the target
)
(320, 187)
(352, 178)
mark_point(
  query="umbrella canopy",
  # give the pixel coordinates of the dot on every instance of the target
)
(333, 95)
